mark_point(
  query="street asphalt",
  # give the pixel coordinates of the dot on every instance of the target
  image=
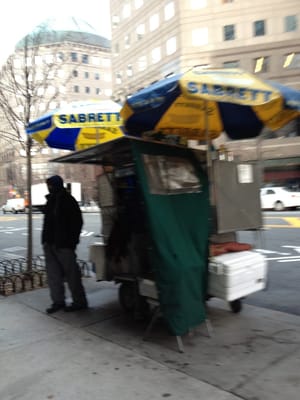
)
(100, 353)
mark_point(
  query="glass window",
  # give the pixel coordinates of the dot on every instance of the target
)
(196, 4)
(86, 75)
(169, 11)
(261, 64)
(140, 31)
(171, 175)
(115, 21)
(87, 89)
(200, 37)
(142, 63)
(154, 22)
(126, 10)
(138, 3)
(231, 64)
(171, 46)
(229, 32)
(98, 91)
(74, 57)
(259, 28)
(118, 77)
(85, 59)
(156, 55)
(127, 41)
(75, 73)
(60, 57)
(129, 70)
(95, 60)
(290, 23)
(292, 61)
(97, 76)
(106, 62)
(76, 89)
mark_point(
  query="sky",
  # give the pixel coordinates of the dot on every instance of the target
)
(19, 17)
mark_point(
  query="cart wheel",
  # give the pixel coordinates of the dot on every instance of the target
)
(127, 295)
(236, 305)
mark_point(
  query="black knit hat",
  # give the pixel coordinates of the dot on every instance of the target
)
(55, 181)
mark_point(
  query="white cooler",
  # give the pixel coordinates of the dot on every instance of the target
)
(236, 275)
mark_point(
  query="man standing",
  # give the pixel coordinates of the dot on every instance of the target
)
(60, 236)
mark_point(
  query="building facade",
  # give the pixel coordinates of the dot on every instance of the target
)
(157, 38)
(152, 39)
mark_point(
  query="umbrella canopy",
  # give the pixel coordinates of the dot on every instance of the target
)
(202, 103)
(78, 125)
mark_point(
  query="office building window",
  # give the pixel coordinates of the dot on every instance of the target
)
(138, 4)
(259, 28)
(86, 75)
(142, 63)
(290, 23)
(74, 57)
(75, 73)
(197, 4)
(76, 89)
(87, 89)
(118, 78)
(127, 41)
(115, 20)
(169, 11)
(106, 62)
(231, 64)
(200, 37)
(129, 70)
(95, 60)
(156, 55)
(97, 76)
(140, 31)
(154, 22)
(261, 64)
(85, 59)
(171, 46)
(229, 32)
(126, 10)
(291, 61)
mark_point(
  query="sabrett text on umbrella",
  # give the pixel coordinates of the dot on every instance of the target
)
(229, 91)
(88, 118)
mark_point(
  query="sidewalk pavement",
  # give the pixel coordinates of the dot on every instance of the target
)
(99, 353)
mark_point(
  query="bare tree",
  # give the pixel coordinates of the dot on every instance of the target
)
(31, 81)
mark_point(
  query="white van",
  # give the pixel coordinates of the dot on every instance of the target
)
(14, 206)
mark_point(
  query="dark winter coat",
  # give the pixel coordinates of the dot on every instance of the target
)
(62, 220)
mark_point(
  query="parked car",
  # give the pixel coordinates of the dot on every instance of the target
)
(14, 206)
(90, 206)
(279, 198)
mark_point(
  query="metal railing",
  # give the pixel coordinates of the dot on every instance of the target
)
(15, 278)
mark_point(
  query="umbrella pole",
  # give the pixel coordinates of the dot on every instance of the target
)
(208, 154)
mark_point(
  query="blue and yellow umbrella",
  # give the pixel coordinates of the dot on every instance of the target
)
(202, 103)
(78, 125)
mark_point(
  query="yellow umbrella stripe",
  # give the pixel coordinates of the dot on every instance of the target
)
(41, 136)
(91, 136)
(229, 86)
(196, 118)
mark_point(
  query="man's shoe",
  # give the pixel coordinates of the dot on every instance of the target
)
(54, 308)
(75, 307)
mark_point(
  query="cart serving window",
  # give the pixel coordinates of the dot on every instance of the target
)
(170, 175)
